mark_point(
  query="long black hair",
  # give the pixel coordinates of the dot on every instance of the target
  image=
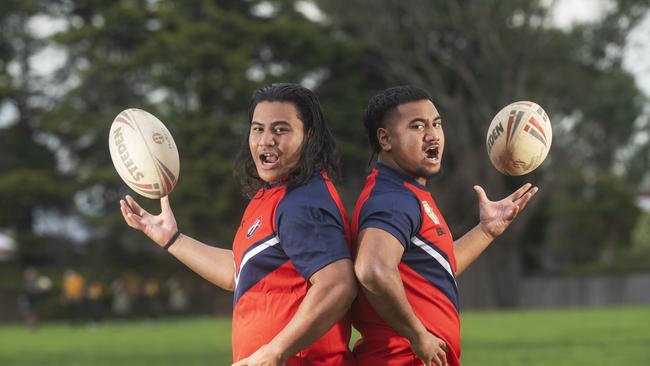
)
(318, 153)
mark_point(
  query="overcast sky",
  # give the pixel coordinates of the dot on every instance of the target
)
(637, 52)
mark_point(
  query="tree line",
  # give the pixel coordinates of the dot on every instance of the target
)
(195, 64)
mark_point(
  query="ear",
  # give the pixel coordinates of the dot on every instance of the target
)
(383, 136)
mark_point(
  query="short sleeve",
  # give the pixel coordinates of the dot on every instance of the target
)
(396, 213)
(312, 237)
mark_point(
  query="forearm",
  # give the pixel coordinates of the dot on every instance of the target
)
(385, 292)
(469, 247)
(214, 264)
(323, 306)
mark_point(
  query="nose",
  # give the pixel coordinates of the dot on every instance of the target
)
(267, 138)
(431, 133)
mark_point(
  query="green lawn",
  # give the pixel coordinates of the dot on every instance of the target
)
(616, 336)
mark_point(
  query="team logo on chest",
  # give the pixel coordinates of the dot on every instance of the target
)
(256, 225)
(430, 212)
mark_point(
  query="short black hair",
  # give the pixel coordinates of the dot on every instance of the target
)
(319, 153)
(379, 106)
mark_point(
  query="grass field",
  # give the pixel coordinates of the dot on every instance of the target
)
(616, 336)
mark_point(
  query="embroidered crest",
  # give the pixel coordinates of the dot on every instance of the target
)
(256, 225)
(430, 212)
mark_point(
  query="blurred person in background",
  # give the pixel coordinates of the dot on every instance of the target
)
(290, 267)
(95, 298)
(28, 300)
(177, 300)
(72, 295)
(133, 287)
(121, 304)
(151, 295)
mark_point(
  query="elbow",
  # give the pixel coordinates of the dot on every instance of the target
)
(230, 287)
(369, 275)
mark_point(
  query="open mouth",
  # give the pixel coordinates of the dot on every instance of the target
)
(432, 152)
(268, 159)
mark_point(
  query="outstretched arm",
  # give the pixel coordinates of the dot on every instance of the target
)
(214, 264)
(495, 217)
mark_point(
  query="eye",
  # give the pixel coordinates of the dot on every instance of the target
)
(256, 128)
(280, 130)
(417, 126)
(437, 124)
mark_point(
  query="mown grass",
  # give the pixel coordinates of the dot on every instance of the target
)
(613, 336)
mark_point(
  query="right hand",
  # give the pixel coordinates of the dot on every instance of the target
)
(431, 350)
(159, 228)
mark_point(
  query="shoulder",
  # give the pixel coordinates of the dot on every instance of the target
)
(392, 198)
(313, 194)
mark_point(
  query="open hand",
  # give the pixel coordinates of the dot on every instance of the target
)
(496, 216)
(159, 228)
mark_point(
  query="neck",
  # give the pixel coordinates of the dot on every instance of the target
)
(388, 160)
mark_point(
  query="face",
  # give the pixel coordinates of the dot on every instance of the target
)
(413, 140)
(275, 140)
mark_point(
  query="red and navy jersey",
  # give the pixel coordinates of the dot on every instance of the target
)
(285, 236)
(399, 205)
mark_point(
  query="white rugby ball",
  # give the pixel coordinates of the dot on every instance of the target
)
(144, 153)
(519, 138)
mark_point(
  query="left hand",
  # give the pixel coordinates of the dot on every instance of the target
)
(265, 356)
(496, 216)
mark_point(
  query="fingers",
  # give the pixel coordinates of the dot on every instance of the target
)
(443, 358)
(131, 219)
(435, 360)
(523, 201)
(443, 346)
(241, 363)
(520, 192)
(443, 353)
(164, 204)
(480, 193)
(134, 206)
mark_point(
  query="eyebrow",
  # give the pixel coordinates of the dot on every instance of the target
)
(273, 124)
(422, 119)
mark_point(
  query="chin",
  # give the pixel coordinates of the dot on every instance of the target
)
(428, 173)
(270, 176)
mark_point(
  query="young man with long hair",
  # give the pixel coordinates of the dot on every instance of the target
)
(290, 267)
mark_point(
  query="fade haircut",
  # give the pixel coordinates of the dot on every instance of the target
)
(318, 152)
(381, 104)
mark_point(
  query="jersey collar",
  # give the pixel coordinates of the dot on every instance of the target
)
(399, 175)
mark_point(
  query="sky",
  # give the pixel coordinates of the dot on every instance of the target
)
(636, 58)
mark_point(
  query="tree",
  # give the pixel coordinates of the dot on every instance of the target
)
(195, 65)
(29, 180)
(476, 57)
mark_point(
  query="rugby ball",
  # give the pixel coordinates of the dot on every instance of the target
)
(519, 138)
(144, 153)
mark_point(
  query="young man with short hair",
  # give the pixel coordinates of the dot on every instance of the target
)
(405, 257)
